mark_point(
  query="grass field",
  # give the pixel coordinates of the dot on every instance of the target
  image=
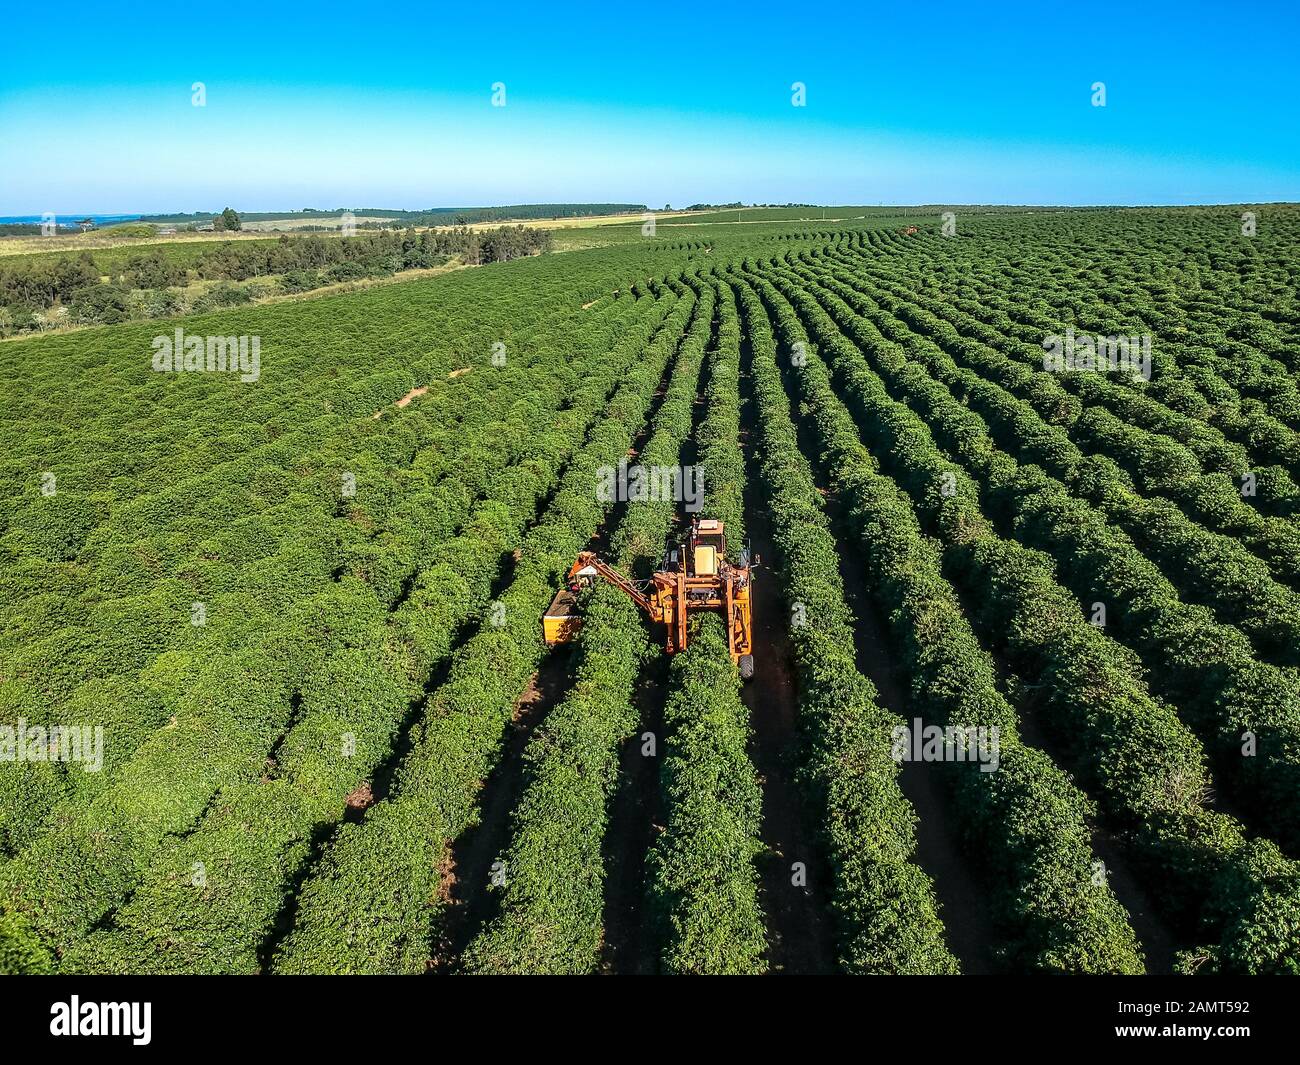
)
(1029, 478)
(180, 246)
(289, 225)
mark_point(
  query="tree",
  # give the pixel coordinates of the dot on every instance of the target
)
(227, 220)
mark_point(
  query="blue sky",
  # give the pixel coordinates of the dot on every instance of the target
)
(389, 105)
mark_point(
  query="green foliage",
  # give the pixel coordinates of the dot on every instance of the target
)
(550, 919)
(1164, 811)
(194, 770)
(129, 229)
(43, 281)
(701, 867)
(551, 910)
(280, 599)
(887, 913)
(386, 866)
(1060, 920)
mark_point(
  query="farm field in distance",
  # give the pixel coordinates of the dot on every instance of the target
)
(1020, 488)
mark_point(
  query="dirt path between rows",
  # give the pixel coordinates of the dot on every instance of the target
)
(801, 934)
(636, 818)
(964, 908)
(468, 867)
(1158, 940)
(405, 401)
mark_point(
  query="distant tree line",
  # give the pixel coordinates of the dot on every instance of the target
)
(36, 229)
(431, 216)
(272, 216)
(461, 216)
(737, 205)
(142, 286)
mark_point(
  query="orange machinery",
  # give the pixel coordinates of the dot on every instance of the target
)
(695, 576)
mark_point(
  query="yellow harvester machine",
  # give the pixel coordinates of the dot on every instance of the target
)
(695, 576)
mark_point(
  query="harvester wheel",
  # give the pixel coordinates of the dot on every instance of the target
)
(746, 666)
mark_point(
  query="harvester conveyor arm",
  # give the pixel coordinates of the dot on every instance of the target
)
(589, 558)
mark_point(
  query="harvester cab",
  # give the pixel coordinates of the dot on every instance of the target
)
(695, 575)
